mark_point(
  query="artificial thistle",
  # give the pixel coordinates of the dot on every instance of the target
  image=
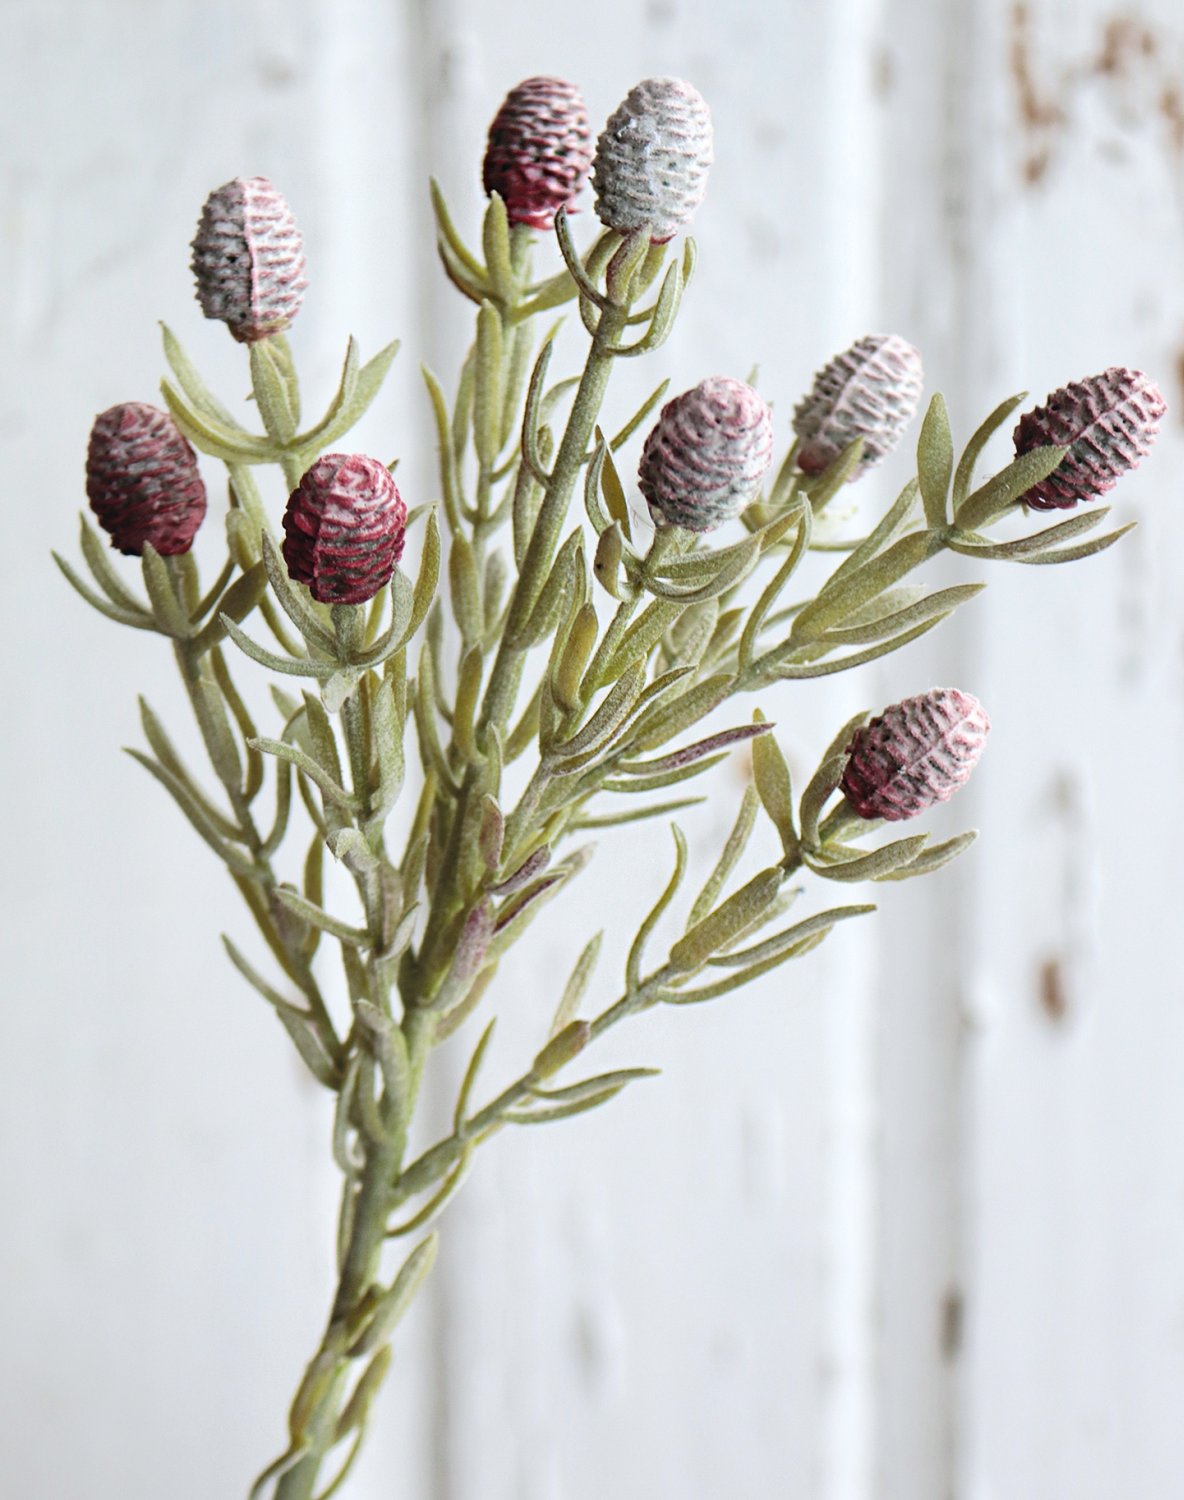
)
(584, 644)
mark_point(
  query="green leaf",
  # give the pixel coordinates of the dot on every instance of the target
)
(878, 863)
(398, 1298)
(720, 926)
(990, 500)
(886, 530)
(634, 815)
(195, 811)
(771, 776)
(291, 667)
(637, 950)
(737, 842)
(577, 984)
(613, 489)
(352, 401)
(139, 620)
(272, 395)
(856, 589)
(214, 436)
(935, 855)
(978, 442)
(792, 937)
(487, 386)
(791, 671)
(310, 768)
(317, 917)
(935, 462)
(192, 384)
(447, 231)
(932, 608)
(98, 560)
(744, 977)
(236, 603)
(826, 779)
(172, 618)
(495, 240)
(665, 720)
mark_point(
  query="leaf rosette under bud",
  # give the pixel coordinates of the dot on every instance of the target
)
(1108, 422)
(706, 455)
(248, 259)
(652, 159)
(344, 529)
(870, 391)
(539, 151)
(916, 753)
(142, 480)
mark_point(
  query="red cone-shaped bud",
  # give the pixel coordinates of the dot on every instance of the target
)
(539, 151)
(870, 391)
(651, 162)
(1108, 422)
(914, 754)
(248, 259)
(343, 528)
(142, 480)
(706, 454)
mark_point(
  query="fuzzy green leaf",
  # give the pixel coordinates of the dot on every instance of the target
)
(999, 494)
(935, 462)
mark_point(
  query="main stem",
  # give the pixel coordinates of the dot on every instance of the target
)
(358, 1272)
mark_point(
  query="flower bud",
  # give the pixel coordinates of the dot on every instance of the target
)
(651, 162)
(914, 754)
(142, 480)
(870, 391)
(248, 259)
(344, 528)
(539, 151)
(706, 454)
(1108, 422)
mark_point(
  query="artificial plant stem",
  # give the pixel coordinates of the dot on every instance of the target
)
(499, 699)
(358, 1273)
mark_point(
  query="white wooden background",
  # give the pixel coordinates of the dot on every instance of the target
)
(908, 1221)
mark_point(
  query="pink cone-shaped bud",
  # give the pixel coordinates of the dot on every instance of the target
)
(651, 162)
(870, 391)
(706, 454)
(248, 259)
(1108, 422)
(539, 151)
(914, 754)
(343, 528)
(142, 480)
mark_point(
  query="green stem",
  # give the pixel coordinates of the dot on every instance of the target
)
(544, 539)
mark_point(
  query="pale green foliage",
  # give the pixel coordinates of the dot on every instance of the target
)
(583, 643)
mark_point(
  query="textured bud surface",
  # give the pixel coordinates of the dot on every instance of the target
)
(870, 391)
(343, 528)
(1108, 422)
(706, 454)
(652, 159)
(142, 480)
(248, 259)
(914, 754)
(539, 151)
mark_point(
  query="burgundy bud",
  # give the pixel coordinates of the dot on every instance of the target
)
(652, 158)
(870, 391)
(248, 259)
(142, 480)
(539, 151)
(344, 528)
(706, 454)
(914, 754)
(1108, 422)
